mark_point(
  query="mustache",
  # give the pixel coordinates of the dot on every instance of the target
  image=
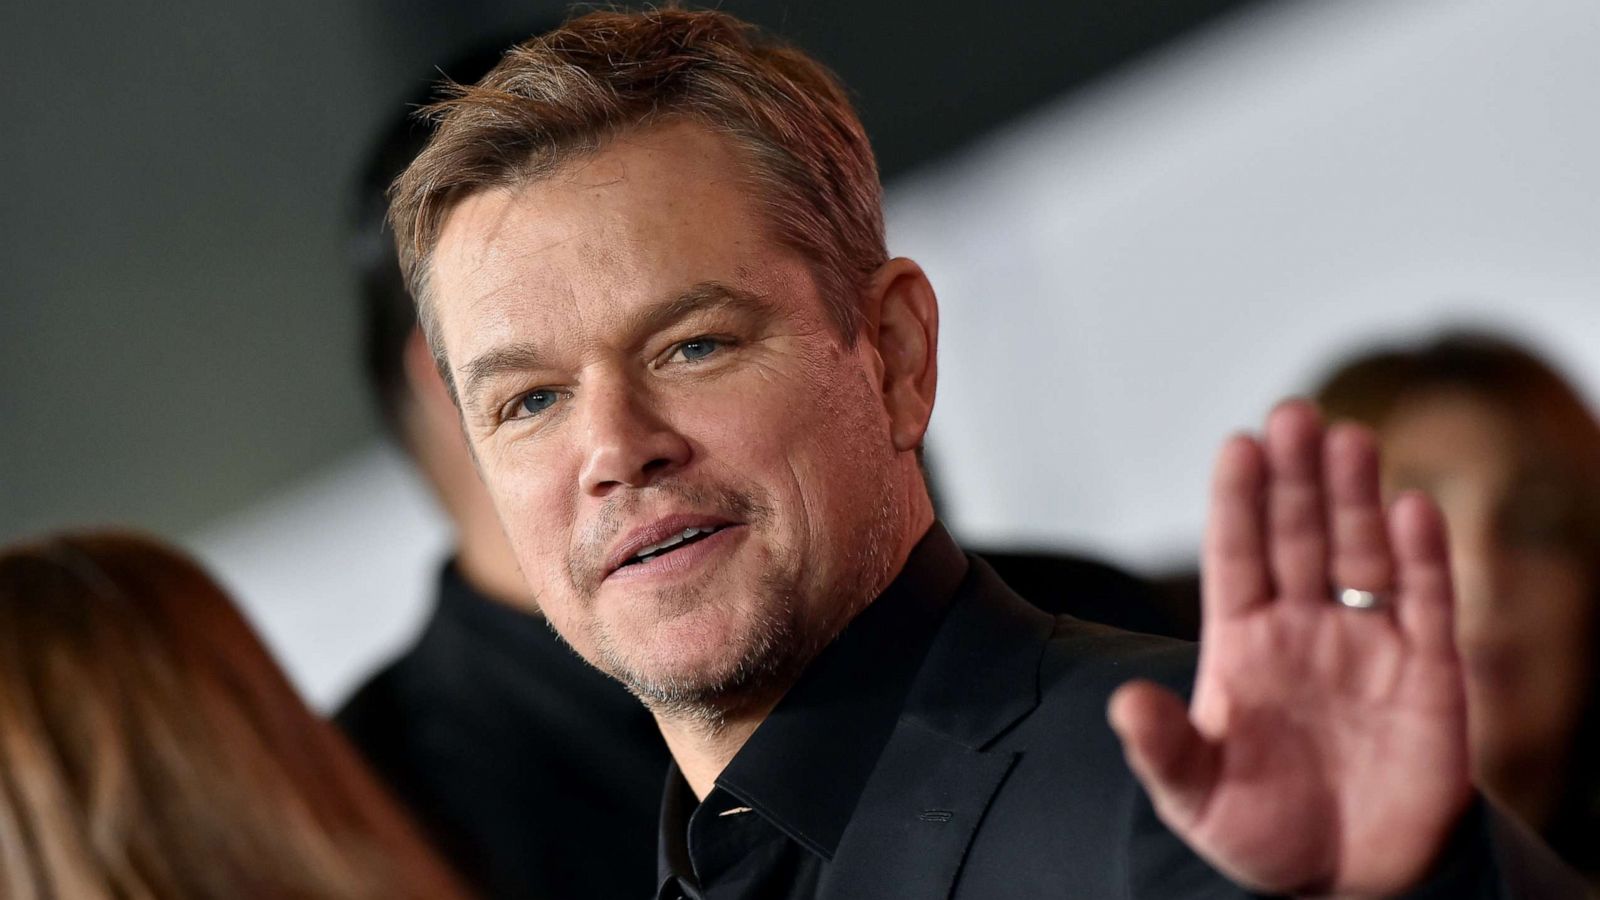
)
(586, 564)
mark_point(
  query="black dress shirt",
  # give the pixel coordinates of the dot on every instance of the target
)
(534, 774)
(778, 810)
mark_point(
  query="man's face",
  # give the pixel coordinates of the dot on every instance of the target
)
(640, 364)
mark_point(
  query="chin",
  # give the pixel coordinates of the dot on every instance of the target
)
(706, 659)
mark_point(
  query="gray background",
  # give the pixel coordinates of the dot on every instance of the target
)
(1145, 221)
(177, 327)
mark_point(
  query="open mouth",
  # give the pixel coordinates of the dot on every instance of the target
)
(676, 542)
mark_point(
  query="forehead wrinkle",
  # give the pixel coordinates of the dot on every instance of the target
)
(498, 241)
(703, 296)
(505, 283)
(588, 262)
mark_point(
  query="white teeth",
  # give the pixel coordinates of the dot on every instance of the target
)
(673, 541)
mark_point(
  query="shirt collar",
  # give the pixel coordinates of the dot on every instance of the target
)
(804, 768)
(672, 841)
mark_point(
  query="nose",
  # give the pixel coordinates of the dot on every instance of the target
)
(629, 443)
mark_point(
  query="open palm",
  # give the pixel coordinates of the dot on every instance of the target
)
(1325, 748)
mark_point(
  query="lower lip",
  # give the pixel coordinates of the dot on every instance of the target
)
(683, 559)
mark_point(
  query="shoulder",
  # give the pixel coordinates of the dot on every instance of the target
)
(1038, 683)
(384, 716)
(375, 703)
(1082, 664)
(1001, 665)
(389, 710)
(1070, 812)
(1066, 656)
(1085, 656)
(1079, 666)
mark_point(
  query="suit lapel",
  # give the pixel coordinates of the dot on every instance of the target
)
(916, 818)
(981, 673)
(935, 778)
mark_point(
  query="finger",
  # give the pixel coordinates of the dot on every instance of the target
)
(1233, 567)
(1359, 555)
(1176, 764)
(1424, 597)
(1297, 531)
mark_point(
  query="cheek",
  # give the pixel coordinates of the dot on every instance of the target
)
(749, 438)
(1555, 599)
(817, 442)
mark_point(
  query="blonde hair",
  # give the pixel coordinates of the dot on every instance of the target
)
(151, 748)
(563, 94)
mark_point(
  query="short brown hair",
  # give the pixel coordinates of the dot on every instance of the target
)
(1370, 387)
(564, 93)
(1551, 419)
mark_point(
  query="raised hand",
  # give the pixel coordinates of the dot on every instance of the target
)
(1325, 748)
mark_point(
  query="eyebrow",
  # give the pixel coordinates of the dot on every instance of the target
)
(705, 296)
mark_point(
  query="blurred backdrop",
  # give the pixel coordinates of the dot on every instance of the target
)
(1146, 220)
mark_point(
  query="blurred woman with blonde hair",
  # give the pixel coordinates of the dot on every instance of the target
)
(151, 748)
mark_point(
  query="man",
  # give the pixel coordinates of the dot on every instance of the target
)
(535, 774)
(648, 255)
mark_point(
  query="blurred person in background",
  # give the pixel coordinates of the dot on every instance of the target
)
(151, 748)
(1512, 455)
(536, 775)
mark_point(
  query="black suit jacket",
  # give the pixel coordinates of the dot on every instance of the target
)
(1002, 778)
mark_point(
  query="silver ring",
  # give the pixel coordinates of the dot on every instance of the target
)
(1362, 600)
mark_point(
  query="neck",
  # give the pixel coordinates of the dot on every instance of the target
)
(487, 563)
(701, 748)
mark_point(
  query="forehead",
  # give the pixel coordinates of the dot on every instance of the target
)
(653, 211)
(1453, 431)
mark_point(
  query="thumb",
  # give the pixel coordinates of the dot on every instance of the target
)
(1172, 759)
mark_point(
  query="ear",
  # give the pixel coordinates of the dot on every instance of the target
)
(903, 327)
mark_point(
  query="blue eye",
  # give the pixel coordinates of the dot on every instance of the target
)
(535, 402)
(699, 348)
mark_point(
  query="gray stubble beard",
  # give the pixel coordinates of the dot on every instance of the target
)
(782, 646)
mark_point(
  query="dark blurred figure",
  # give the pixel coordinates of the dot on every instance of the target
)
(1061, 583)
(534, 773)
(150, 747)
(1512, 455)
